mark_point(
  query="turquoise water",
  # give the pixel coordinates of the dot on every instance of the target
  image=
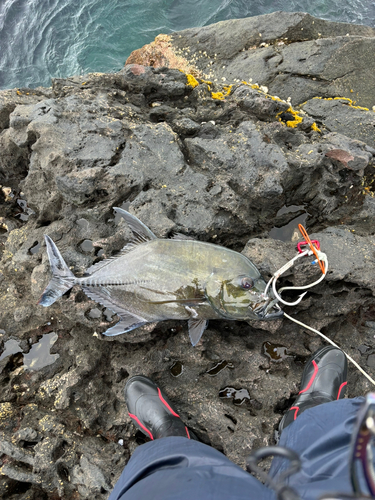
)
(40, 39)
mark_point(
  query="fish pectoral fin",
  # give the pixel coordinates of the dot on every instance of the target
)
(126, 324)
(196, 329)
(193, 313)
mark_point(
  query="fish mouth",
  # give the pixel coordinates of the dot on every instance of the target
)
(271, 310)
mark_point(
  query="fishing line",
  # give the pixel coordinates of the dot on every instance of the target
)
(335, 345)
(321, 259)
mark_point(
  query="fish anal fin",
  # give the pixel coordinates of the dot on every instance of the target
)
(126, 324)
(103, 296)
(128, 321)
(196, 329)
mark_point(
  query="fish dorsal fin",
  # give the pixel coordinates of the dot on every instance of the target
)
(180, 236)
(141, 232)
(99, 265)
(196, 329)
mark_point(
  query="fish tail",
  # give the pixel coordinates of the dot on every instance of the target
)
(62, 277)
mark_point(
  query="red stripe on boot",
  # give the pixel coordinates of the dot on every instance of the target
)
(141, 425)
(187, 432)
(295, 413)
(340, 389)
(166, 404)
(316, 369)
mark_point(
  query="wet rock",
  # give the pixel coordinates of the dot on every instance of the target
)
(89, 479)
(17, 454)
(371, 361)
(258, 105)
(185, 126)
(340, 115)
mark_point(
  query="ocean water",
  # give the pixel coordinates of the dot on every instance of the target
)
(41, 39)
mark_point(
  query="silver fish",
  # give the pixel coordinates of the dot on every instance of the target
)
(154, 279)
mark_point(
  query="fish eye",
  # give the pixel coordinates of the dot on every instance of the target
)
(247, 283)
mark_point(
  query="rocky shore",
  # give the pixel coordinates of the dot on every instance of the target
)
(222, 133)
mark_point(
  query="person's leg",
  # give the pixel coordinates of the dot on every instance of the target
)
(320, 433)
(175, 468)
(321, 436)
(172, 466)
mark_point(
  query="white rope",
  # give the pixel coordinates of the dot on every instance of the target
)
(322, 257)
(331, 342)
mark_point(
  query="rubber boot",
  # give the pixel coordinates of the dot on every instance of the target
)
(151, 411)
(323, 380)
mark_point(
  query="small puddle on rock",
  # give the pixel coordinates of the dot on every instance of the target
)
(275, 352)
(177, 368)
(239, 396)
(87, 246)
(219, 367)
(108, 314)
(11, 347)
(290, 209)
(35, 248)
(39, 355)
(83, 224)
(95, 313)
(289, 232)
(26, 211)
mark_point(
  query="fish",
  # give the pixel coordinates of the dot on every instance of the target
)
(155, 279)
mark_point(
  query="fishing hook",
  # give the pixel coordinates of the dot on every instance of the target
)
(322, 256)
(284, 301)
(284, 268)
